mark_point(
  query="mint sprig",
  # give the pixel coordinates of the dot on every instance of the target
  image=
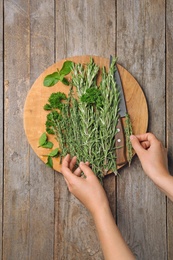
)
(43, 142)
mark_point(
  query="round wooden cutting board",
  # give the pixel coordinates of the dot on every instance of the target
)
(35, 115)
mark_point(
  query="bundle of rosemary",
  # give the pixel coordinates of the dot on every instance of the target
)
(86, 126)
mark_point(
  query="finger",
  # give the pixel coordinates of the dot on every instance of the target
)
(146, 137)
(72, 163)
(87, 163)
(86, 169)
(66, 161)
(136, 145)
(69, 176)
(65, 170)
(78, 172)
(145, 144)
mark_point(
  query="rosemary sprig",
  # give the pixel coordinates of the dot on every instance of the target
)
(128, 133)
(108, 124)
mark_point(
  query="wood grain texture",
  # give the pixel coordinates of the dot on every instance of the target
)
(141, 208)
(41, 243)
(37, 35)
(16, 170)
(85, 28)
(82, 27)
(1, 125)
(169, 113)
(29, 187)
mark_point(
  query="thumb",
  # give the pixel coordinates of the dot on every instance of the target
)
(136, 145)
(86, 169)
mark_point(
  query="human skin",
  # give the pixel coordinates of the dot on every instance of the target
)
(91, 193)
(153, 157)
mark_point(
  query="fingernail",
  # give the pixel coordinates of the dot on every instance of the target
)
(87, 163)
(132, 137)
(82, 163)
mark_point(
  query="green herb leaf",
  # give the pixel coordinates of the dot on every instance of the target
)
(55, 100)
(50, 131)
(42, 139)
(93, 96)
(65, 82)
(54, 153)
(49, 162)
(128, 133)
(47, 107)
(66, 68)
(61, 77)
(51, 79)
(48, 145)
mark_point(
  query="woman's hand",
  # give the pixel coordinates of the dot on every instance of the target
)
(153, 157)
(87, 189)
(151, 153)
(90, 192)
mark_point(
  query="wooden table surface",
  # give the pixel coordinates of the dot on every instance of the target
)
(39, 218)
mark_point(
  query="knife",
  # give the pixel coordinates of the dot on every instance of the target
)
(120, 137)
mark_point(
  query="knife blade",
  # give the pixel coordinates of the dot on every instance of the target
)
(120, 137)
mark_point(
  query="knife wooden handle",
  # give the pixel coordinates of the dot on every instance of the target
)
(120, 144)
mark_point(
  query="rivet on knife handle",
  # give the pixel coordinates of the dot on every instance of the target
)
(120, 144)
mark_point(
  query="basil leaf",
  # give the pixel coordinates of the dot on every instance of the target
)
(65, 81)
(51, 79)
(48, 145)
(66, 68)
(61, 77)
(54, 153)
(42, 139)
(49, 162)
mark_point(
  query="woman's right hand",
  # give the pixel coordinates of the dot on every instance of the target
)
(154, 160)
(88, 190)
(151, 153)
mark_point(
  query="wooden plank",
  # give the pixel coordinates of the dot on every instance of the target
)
(29, 185)
(85, 27)
(169, 82)
(82, 27)
(41, 177)
(16, 170)
(1, 124)
(141, 208)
